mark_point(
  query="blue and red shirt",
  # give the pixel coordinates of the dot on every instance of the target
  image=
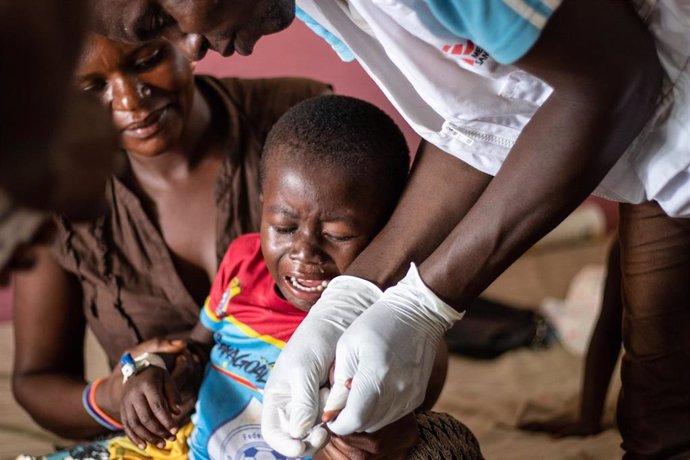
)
(251, 324)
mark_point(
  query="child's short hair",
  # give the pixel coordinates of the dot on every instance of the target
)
(345, 133)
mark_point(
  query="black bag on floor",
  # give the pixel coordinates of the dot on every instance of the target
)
(489, 329)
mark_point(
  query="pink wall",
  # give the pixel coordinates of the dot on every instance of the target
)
(297, 51)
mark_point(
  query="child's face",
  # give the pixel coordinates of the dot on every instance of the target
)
(148, 88)
(315, 221)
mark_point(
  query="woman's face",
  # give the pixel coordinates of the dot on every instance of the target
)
(148, 88)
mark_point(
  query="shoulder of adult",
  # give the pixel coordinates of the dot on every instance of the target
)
(507, 29)
(260, 102)
(249, 93)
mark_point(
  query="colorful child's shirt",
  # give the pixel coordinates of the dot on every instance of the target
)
(251, 324)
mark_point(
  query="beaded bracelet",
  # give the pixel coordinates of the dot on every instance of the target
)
(88, 399)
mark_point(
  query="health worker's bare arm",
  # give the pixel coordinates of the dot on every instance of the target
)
(601, 62)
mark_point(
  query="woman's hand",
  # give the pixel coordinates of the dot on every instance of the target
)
(393, 442)
(151, 407)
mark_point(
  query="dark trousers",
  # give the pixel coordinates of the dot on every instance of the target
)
(654, 403)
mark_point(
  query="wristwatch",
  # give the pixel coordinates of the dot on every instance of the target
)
(133, 365)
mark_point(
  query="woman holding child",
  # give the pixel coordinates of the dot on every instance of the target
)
(143, 269)
(332, 170)
(138, 275)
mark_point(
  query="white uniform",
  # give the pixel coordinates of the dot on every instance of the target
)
(467, 104)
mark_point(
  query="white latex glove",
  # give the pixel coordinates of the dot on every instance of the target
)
(388, 352)
(317, 437)
(291, 410)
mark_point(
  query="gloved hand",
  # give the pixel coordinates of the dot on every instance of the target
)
(291, 403)
(388, 352)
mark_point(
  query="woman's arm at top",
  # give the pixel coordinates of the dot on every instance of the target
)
(602, 64)
(48, 377)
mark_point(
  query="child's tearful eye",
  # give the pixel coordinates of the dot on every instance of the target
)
(284, 230)
(93, 86)
(338, 238)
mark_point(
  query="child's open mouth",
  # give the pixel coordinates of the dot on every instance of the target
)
(307, 285)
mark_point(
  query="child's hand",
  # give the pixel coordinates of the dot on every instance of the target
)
(393, 442)
(109, 394)
(150, 407)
